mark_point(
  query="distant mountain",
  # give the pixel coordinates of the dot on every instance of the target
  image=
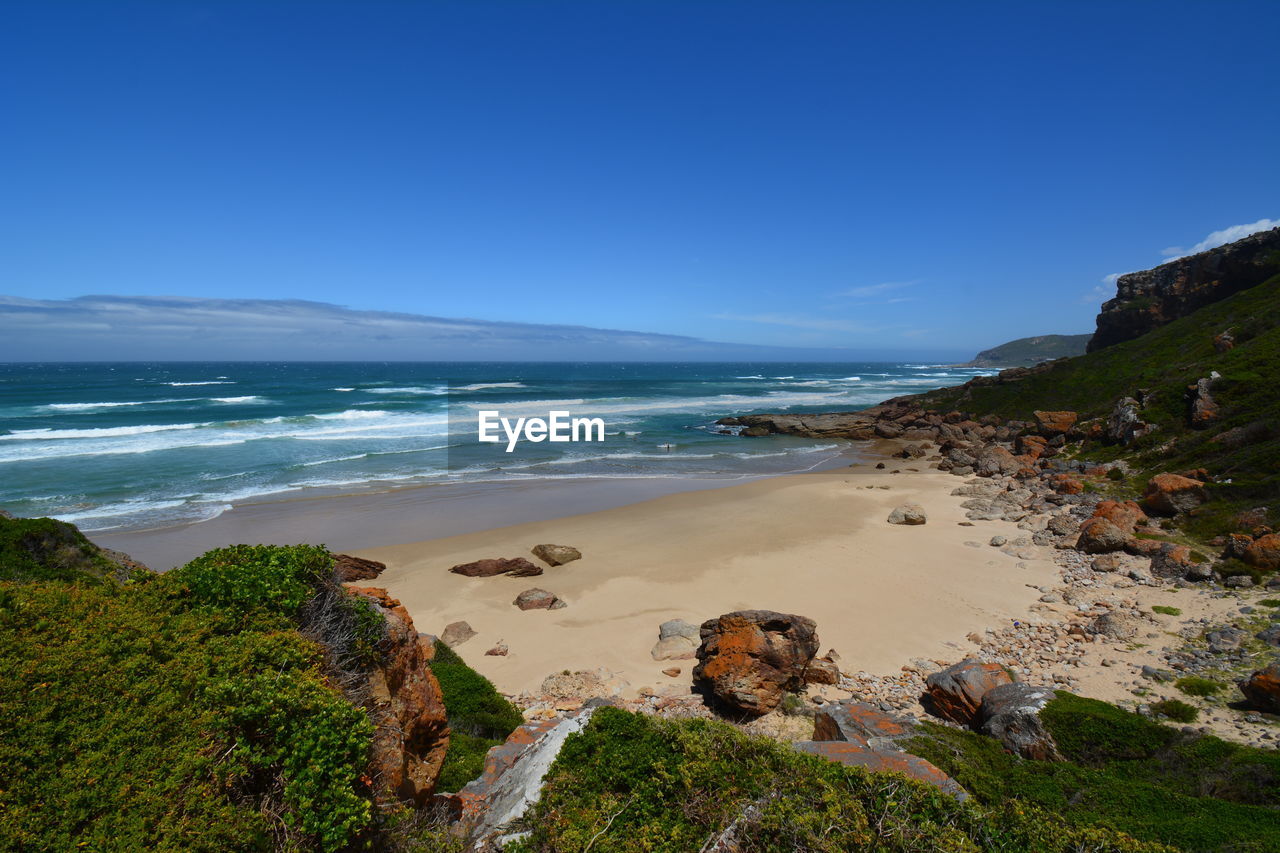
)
(1026, 351)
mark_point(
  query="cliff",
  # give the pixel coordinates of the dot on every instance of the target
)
(1152, 298)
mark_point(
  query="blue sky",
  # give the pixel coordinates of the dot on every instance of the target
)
(922, 178)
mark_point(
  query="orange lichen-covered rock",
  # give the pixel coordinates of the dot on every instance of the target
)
(956, 692)
(881, 761)
(1100, 536)
(1065, 484)
(1055, 423)
(406, 706)
(1264, 552)
(1125, 515)
(1170, 494)
(1262, 689)
(748, 659)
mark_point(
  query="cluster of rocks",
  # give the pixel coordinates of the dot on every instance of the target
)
(518, 567)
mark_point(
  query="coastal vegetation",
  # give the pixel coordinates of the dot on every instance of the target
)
(1026, 351)
(479, 717)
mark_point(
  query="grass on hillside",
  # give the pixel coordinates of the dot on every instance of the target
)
(33, 549)
(1162, 363)
(1151, 781)
(635, 783)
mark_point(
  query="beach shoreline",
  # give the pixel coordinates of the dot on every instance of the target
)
(817, 544)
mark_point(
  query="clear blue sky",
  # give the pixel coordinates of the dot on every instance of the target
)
(893, 176)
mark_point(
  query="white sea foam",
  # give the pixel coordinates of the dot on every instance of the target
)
(248, 399)
(483, 386)
(208, 382)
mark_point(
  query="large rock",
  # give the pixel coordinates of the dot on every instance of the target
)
(351, 568)
(750, 658)
(1099, 536)
(1170, 494)
(1010, 713)
(556, 555)
(1170, 561)
(1055, 423)
(1149, 299)
(1115, 626)
(677, 640)
(1264, 552)
(1202, 409)
(538, 599)
(956, 692)
(517, 567)
(996, 460)
(1126, 424)
(404, 701)
(456, 633)
(1125, 515)
(908, 514)
(1262, 689)
(858, 722)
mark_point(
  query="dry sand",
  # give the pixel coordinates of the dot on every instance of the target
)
(815, 544)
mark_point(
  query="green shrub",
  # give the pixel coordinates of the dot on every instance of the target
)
(1166, 610)
(243, 578)
(1115, 474)
(1176, 710)
(479, 717)
(1232, 567)
(1193, 685)
(45, 549)
(1270, 602)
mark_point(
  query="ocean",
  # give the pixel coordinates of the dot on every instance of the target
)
(129, 446)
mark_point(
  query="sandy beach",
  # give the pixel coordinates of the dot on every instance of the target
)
(815, 544)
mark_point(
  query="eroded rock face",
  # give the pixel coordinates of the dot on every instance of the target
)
(516, 567)
(407, 707)
(1171, 494)
(351, 568)
(556, 555)
(750, 658)
(1262, 689)
(956, 692)
(1010, 713)
(1150, 299)
(910, 514)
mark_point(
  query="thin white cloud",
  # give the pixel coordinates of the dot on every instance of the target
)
(796, 321)
(1220, 238)
(868, 290)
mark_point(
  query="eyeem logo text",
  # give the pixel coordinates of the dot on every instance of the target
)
(557, 426)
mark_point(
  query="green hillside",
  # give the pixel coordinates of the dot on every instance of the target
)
(1241, 449)
(1026, 351)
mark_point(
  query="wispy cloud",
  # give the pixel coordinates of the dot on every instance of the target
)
(799, 321)
(182, 328)
(868, 291)
(1220, 238)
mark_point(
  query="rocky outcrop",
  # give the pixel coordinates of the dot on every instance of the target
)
(1125, 423)
(750, 658)
(1262, 689)
(406, 705)
(516, 567)
(556, 555)
(1010, 713)
(956, 692)
(513, 773)
(1148, 300)
(910, 514)
(1055, 423)
(351, 568)
(677, 640)
(882, 761)
(1100, 536)
(1202, 409)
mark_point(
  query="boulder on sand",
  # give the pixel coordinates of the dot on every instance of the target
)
(677, 640)
(516, 567)
(750, 658)
(538, 599)
(956, 692)
(908, 514)
(556, 555)
(1099, 536)
(456, 633)
(351, 568)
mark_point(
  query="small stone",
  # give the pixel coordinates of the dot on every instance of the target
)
(499, 650)
(671, 671)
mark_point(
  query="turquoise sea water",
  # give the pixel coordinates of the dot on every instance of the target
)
(125, 446)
